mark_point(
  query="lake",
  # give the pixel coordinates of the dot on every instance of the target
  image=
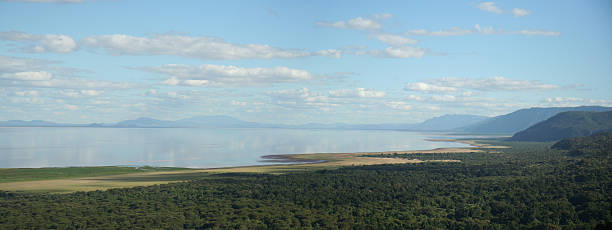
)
(190, 147)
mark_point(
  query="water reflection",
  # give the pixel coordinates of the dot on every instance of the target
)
(59, 147)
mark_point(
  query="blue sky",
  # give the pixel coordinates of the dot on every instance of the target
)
(295, 62)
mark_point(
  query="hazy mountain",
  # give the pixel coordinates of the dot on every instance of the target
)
(34, 123)
(565, 125)
(146, 122)
(216, 122)
(522, 119)
(448, 122)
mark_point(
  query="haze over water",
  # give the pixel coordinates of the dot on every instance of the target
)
(189, 147)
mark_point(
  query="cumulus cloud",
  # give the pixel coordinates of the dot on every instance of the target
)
(71, 107)
(30, 93)
(398, 105)
(520, 12)
(575, 101)
(24, 72)
(444, 98)
(201, 47)
(79, 93)
(358, 23)
(359, 92)
(452, 84)
(490, 7)
(425, 87)
(57, 43)
(305, 98)
(14, 64)
(456, 31)
(397, 52)
(302, 98)
(28, 76)
(227, 75)
(395, 40)
(563, 99)
(536, 32)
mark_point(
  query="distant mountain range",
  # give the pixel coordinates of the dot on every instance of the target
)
(504, 124)
(566, 125)
(521, 119)
(442, 123)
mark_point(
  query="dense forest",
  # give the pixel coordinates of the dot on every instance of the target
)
(528, 186)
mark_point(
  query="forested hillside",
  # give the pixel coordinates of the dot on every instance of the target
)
(565, 125)
(598, 144)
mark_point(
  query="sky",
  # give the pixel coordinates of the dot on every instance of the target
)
(295, 62)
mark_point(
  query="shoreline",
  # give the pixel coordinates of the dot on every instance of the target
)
(285, 163)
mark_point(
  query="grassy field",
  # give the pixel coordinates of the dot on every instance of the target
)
(63, 180)
(38, 174)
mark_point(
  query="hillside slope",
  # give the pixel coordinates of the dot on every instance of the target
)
(565, 125)
(522, 119)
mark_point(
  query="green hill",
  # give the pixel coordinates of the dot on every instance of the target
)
(522, 119)
(565, 125)
(598, 144)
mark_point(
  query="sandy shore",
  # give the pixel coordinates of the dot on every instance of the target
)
(295, 162)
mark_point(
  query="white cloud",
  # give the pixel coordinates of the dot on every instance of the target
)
(467, 93)
(359, 92)
(451, 84)
(395, 40)
(91, 92)
(425, 87)
(563, 99)
(397, 52)
(79, 93)
(574, 101)
(57, 43)
(520, 12)
(176, 95)
(382, 16)
(456, 31)
(201, 47)
(72, 83)
(444, 98)
(239, 103)
(490, 7)
(29, 93)
(14, 64)
(227, 75)
(301, 99)
(28, 76)
(25, 72)
(100, 102)
(493, 8)
(359, 23)
(71, 107)
(398, 105)
(415, 97)
(536, 32)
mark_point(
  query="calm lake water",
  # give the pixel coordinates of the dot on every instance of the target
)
(185, 147)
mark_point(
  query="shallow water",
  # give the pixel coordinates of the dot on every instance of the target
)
(188, 147)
